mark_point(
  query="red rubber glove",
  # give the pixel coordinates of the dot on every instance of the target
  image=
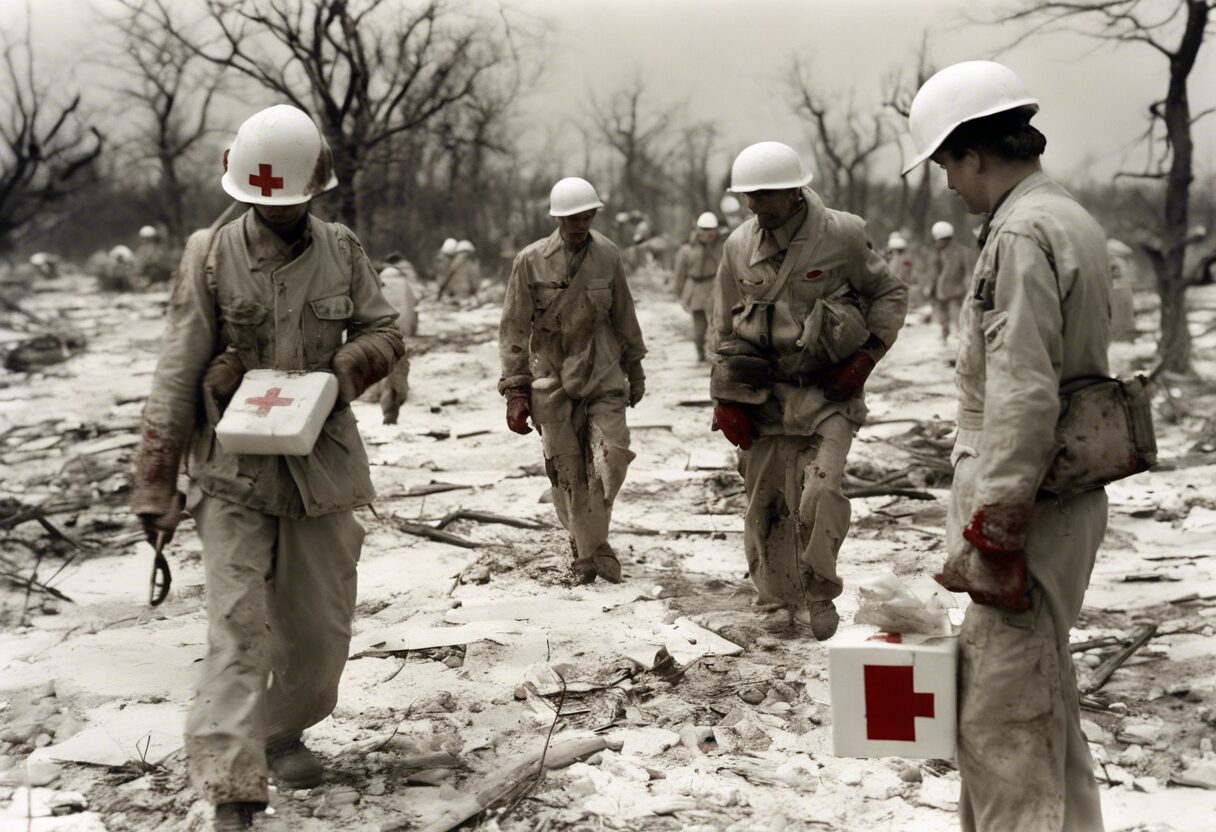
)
(845, 380)
(518, 413)
(734, 424)
(994, 572)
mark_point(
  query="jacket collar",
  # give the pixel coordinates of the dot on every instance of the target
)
(1004, 205)
(263, 245)
(554, 244)
(812, 227)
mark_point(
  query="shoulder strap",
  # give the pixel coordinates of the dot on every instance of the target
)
(578, 282)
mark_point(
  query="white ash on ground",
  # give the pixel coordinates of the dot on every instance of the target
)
(469, 652)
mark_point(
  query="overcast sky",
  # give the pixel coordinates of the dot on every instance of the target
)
(723, 60)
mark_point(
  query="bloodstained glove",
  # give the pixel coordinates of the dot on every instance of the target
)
(845, 380)
(637, 389)
(166, 523)
(734, 424)
(518, 413)
(220, 383)
(992, 570)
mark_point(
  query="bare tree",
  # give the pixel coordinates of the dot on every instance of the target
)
(367, 70)
(696, 182)
(844, 142)
(913, 205)
(172, 91)
(1176, 32)
(641, 134)
(47, 152)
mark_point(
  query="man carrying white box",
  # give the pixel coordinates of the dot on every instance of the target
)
(289, 299)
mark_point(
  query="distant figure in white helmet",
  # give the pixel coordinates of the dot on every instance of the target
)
(464, 273)
(571, 352)
(948, 278)
(399, 283)
(696, 265)
(899, 262)
(443, 262)
(804, 310)
(152, 258)
(1035, 321)
(277, 289)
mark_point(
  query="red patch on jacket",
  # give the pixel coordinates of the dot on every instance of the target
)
(814, 274)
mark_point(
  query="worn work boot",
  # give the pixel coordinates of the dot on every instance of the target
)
(234, 816)
(293, 766)
(606, 564)
(581, 569)
(824, 619)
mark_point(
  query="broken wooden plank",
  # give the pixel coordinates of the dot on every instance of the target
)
(488, 517)
(501, 787)
(431, 533)
(883, 491)
(1103, 672)
(1089, 644)
(435, 488)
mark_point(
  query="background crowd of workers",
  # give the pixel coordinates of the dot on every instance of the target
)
(793, 308)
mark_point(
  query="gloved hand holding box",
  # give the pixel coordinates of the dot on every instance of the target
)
(276, 412)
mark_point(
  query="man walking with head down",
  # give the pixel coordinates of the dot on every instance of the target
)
(571, 352)
(804, 310)
(275, 289)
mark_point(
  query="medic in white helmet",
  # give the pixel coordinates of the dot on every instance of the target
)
(279, 289)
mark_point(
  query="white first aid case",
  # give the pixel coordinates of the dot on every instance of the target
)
(275, 412)
(893, 695)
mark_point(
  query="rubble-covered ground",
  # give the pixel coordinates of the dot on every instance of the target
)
(706, 715)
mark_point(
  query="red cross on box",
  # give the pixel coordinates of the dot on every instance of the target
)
(266, 180)
(268, 401)
(891, 703)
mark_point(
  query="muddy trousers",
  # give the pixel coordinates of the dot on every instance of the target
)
(280, 600)
(586, 457)
(700, 328)
(946, 313)
(1024, 761)
(797, 514)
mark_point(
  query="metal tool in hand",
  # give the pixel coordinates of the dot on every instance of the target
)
(162, 578)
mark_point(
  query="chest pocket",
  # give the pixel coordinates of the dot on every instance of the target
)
(242, 317)
(599, 299)
(324, 325)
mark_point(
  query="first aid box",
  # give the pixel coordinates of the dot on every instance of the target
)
(276, 412)
(893, 695)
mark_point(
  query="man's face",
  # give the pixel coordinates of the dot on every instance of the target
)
(281, 214)
(963, 177)
(707, 235)
(772, 208)
(576, 227)
(942, 243)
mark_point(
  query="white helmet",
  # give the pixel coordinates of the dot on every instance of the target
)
(278, 158)
(465, 245)
(707, 220)
(942, 230)
(621, 217)
(959, 93)
(148, 232)
(895, 242)
(767, 166)
(1118, 248)
(730, 204)
(39, 259)
(449, 246)
(121, 253)
(572, 196)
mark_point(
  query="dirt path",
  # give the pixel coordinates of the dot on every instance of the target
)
(466, 649)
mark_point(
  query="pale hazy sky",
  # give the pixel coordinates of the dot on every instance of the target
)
(722, 59)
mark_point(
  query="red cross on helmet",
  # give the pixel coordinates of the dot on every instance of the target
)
(278, 158)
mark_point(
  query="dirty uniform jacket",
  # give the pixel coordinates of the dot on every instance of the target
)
(1036, 317)
(828, 256)
(951, 264)
(597, 334)
(238, 291)
(696, 266)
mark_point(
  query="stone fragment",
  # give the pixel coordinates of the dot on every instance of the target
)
(1095, 732)
(1148, 785)
(1133, 755)
(1198, 773)
(1140, 733)
(911, 774)
(751, 696)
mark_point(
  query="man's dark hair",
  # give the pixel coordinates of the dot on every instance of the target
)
(1008, 135)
